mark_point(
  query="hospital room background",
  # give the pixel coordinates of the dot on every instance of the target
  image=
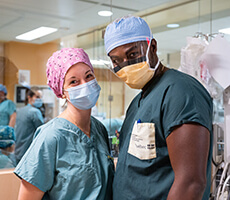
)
(182, 28)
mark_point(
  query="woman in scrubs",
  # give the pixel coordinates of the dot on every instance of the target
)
(7, 109)
(69, 157)
(29, 118)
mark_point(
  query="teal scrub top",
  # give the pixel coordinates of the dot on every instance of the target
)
(7, 108)
(5, 161)
(65, 164)
(171, 100)
(28, 120)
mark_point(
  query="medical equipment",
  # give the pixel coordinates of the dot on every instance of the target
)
(212, 69)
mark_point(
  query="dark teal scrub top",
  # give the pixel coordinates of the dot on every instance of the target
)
(171, 100)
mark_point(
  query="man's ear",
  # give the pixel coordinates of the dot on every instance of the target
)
(152, 55)
(153, 46)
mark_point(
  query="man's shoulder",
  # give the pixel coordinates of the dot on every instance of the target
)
(179, 80)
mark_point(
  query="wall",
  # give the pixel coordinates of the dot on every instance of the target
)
(1, 63)
(111, 88)
(26, 56)
(9, 184)
(174, 60)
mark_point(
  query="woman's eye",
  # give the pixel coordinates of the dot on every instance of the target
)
(73, 82)
(89, 75)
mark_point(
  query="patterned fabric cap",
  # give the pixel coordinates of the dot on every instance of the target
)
(59, 63)
(3, 88)
(7, 136)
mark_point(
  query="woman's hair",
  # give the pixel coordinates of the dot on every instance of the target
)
(29, 93)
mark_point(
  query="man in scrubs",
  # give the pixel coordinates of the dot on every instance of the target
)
(7, 109)
(166, 137)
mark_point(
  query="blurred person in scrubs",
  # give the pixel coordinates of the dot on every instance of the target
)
(39, 103)
(29, 118)
(7, 144)
(7, 108)
(166, 138)
(70, 156)
(112, 125)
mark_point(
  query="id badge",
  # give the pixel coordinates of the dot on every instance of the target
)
(142, 141)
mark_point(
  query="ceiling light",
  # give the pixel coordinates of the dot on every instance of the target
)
(36, 33)
(173, 25)
(225, 31)
(105, 13)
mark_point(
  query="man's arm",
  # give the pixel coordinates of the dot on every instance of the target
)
(188, 147)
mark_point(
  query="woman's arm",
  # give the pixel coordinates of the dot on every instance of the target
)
(28, 191)
(12, 119)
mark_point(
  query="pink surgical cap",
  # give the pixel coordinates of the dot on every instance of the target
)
(59, 63)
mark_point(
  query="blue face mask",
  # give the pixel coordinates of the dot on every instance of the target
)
(84, 96)
(38, 103)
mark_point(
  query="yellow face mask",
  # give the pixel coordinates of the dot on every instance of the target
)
(137, 75)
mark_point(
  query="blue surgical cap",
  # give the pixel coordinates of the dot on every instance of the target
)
(7, 136)
(126, 30)
(3, 88)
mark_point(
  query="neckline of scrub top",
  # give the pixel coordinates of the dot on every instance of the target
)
(152, 84)
(78, 131)
(3, 100)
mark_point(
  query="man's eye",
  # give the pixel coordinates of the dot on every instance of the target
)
(117, 61)
(133, 55)
(114, 63)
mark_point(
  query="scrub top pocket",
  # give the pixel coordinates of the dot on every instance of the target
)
(142, 141)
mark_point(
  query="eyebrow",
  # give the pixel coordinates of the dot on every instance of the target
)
(73, 77)
(131, 49)
(87, 71)
(127, 52)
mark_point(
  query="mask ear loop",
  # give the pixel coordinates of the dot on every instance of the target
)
(147, 52)
(64, 96)
(147, 57)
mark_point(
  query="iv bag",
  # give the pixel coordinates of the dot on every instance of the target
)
(190, 56)
(217, 60)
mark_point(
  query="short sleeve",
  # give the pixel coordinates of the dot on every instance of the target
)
(37, 118)
(11, 107)
(37, 166)
(186, 103)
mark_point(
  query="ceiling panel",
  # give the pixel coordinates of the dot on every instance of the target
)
(78, 17)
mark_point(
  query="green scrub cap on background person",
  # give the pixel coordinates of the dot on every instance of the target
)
(126, 30)
(7, 136)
